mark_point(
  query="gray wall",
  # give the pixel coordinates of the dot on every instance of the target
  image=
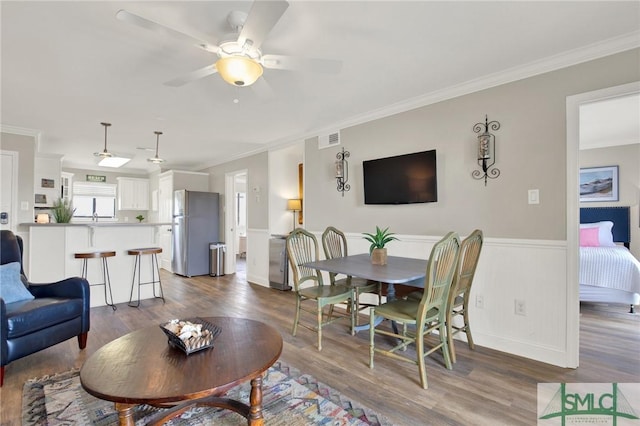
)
(531, 154)
(257, 175)
(25, 146)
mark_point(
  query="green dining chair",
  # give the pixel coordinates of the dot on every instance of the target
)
(308, 285)
(334, 243)
(458, 300)
(425, 315)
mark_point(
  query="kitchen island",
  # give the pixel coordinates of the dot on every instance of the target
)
(50, 249)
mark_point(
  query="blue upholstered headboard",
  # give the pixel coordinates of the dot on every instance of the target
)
(618, 215)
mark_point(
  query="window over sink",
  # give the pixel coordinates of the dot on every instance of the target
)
(94, 200)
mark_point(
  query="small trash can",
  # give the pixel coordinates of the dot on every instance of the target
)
(216, 259)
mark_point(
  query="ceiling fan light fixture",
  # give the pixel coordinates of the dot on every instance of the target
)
(239, 70)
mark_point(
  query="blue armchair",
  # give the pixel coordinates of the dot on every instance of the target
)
(57, 311)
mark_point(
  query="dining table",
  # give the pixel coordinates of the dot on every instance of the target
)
(398, 270)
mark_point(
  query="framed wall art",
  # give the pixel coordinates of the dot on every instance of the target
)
(47, 183)
(599, 184)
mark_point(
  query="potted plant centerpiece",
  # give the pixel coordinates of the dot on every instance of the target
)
(62, 210)
(378, 240)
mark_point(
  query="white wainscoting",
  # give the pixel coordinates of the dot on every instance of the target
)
(258, 256)
(533, 271)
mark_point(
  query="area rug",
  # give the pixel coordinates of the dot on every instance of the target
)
(290, 398)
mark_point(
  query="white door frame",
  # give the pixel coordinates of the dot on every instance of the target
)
(573, 209)
(13, 210)
(230, 213)
(165, 214)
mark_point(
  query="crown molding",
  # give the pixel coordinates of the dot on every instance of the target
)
(23, 131)
(552, 63)
(566, 59)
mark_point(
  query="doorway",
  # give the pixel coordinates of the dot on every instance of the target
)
(9, 192)
(574, 104)
(236, 219)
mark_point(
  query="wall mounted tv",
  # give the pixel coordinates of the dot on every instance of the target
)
(403, 179)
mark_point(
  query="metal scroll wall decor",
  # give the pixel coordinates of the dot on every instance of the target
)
(342, 171)
(486, 150)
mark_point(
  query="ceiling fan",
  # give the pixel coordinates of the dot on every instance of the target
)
(240, 61)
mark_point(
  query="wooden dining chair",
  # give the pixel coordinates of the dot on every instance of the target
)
(302, 247)
(458, 301)
(426, 315)
(334, 243)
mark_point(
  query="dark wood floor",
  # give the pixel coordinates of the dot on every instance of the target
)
(485, 387)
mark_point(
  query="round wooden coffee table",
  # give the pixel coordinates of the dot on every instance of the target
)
(142, 368)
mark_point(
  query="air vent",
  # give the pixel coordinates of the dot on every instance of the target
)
(326, 141)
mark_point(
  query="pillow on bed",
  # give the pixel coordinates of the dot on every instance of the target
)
(605, 236)
(589, 237)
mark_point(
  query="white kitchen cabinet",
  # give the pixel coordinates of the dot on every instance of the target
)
(133, 193)
(66, 184)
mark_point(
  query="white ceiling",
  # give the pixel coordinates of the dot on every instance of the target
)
(67, 66)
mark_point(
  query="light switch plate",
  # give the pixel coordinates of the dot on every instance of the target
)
(534, 196)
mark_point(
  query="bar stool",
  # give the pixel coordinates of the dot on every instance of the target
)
(155, 268)
(105, 271)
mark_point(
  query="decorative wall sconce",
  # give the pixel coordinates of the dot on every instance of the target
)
(486, 150)
(342, 171)
(294, 205)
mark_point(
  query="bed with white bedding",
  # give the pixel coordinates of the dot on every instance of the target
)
(609, 273)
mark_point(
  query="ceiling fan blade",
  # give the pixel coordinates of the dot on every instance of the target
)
(133, 19)
(261, 19)
(192, 76)
(281, 62)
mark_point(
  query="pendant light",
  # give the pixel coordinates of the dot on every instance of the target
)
(156, 159)
(104, 153)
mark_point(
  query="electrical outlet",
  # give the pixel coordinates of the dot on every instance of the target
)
(520, 308)
(479, 301)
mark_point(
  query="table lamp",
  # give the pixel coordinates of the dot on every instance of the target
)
(43, 218)
(295, 205)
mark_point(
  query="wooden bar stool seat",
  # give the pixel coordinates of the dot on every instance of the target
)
(101, 254)
(155, 269)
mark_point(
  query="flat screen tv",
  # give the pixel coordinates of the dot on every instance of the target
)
(403, 179)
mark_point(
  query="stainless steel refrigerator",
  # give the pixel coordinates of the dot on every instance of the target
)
(195, 227)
